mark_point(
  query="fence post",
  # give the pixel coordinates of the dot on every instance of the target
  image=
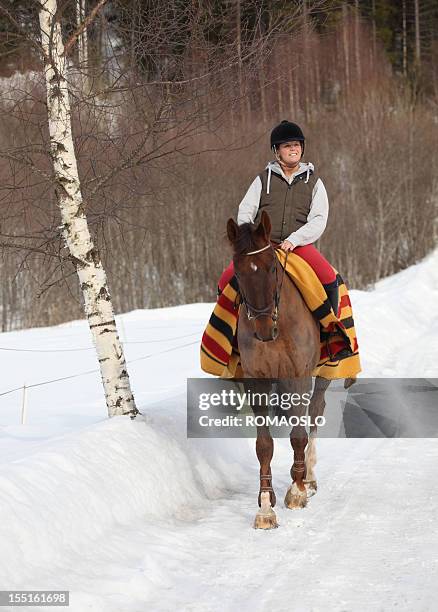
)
(24, 405)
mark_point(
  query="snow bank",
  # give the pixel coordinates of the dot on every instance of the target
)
(76, 489)
(396, 323)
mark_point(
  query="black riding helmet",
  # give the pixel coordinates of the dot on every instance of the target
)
(286, 131)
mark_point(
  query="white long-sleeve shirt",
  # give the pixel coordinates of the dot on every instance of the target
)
(319, 207)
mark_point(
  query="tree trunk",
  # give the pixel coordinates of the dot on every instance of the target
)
(306, 84)
(291, 87)
(92, 278)
(318, 89)
(262, 91)
(375, 32)
(345, 33)
(404, 39)
(280, 96)
(357, 47)
(82, 45)
(417, 35)
(82, 38)
(239, 60)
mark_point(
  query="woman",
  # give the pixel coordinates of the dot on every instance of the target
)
(297, 203)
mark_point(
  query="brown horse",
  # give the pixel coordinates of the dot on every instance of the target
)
(278, 338)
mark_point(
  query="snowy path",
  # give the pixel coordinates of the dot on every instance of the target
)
(342, 552)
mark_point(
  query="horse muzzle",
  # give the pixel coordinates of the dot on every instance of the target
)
(273, 335)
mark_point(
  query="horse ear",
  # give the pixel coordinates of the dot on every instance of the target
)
(232, 230)
(265, 224)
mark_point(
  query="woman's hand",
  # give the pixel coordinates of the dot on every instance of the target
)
(287, 246)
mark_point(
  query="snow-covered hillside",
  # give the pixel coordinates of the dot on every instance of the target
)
(133, 516)
(397, 323)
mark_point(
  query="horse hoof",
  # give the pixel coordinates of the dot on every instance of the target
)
(265, 520)
(311, 487)
(295, 498)
(348, 382)
(265, 517)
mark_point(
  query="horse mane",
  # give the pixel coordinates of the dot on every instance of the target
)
(245, 239)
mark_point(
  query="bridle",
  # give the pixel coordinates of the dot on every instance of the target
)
(272, 309)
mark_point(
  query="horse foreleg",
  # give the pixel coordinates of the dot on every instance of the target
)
(296, 496)
(265, 517)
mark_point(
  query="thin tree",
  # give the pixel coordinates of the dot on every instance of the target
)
(404, 40)
(417, 35)
(92, 277)
(357, 42)
(345, 40)
(82, 41)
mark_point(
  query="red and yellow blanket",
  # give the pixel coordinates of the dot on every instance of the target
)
(219, 350)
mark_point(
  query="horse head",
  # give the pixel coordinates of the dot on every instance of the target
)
(256, 270)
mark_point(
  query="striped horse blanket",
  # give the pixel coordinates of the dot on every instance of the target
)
(219, 349)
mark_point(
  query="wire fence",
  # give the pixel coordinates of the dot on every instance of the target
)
(96, 370)
(91, 348)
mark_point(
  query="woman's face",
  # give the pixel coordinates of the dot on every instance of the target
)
(290, 152)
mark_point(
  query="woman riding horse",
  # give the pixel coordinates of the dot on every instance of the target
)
(296, 200)
(297, 203)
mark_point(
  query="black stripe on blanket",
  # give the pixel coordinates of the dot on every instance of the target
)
(212, 358)
(223, 327)
(347, 322)
(322, 311)
(336, 359)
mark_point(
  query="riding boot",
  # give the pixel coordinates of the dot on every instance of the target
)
(333, 295)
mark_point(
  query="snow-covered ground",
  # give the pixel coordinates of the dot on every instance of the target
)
(133, 516)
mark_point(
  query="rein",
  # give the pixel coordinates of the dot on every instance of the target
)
(273, 307)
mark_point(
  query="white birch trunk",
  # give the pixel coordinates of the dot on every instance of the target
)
(92, 278)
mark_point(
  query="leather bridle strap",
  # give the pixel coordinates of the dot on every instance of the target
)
(259, 250)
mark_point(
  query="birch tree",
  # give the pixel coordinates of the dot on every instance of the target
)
(92, 277)
(417, 35)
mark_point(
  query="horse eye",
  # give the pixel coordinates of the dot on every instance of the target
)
(273, 269)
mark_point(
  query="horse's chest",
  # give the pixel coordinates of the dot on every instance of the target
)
(275, 359)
